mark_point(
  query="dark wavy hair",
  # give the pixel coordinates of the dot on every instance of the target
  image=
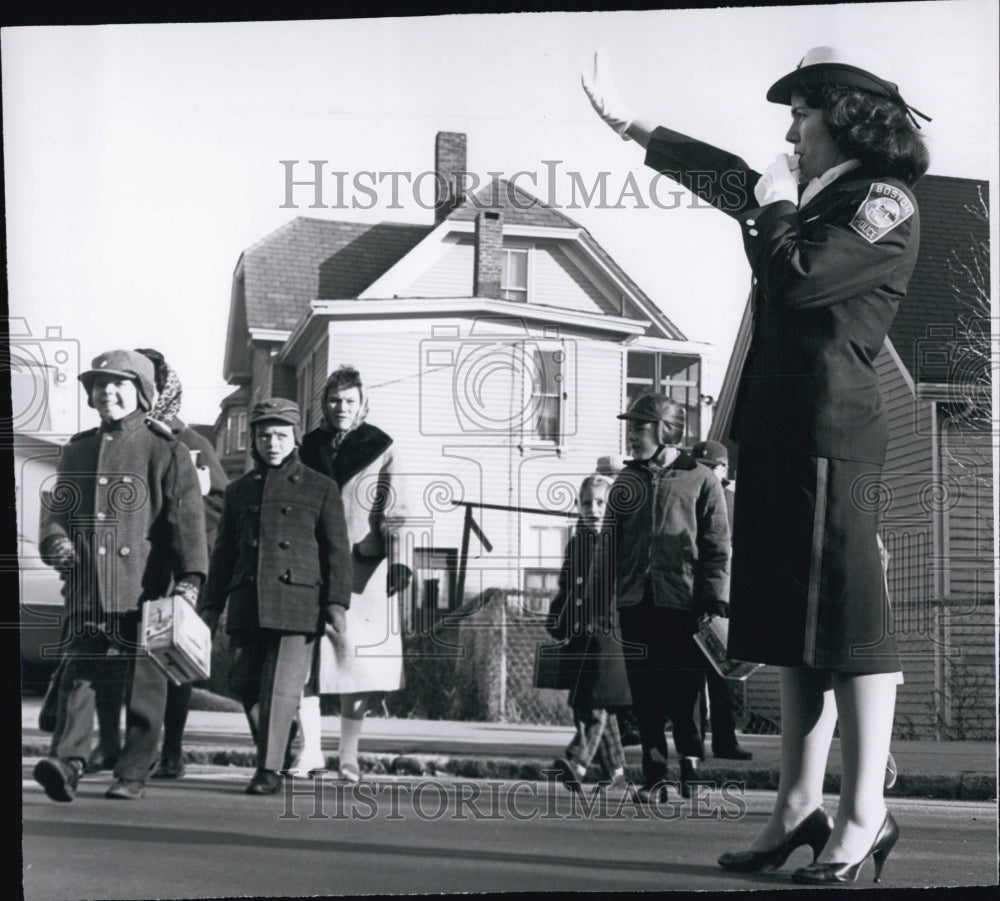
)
(876, 130)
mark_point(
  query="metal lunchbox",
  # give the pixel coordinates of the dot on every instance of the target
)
(712, 637)
(177, 639)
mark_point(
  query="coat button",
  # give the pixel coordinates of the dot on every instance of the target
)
(751, 221)
(109, 437)
(286, 510)
(284, 545)
(253, 542)
(102, 516)
(103, 480)
(579, 602)
(124, 551)
(752, 232)
(127, 480)
(101, 551)
(295, 478)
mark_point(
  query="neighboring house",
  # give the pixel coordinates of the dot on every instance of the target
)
(498, 345)
(230, 434)
(936, 494)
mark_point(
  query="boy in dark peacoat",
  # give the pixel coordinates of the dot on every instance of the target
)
(282, 562)
(124, 522)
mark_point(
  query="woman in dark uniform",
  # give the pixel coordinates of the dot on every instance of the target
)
(831, 233)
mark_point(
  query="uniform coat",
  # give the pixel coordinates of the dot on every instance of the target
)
(282, 555)
(828, 279)
(368, 656)
(590, 661)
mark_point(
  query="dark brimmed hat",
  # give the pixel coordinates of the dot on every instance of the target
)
(125, 364)
(711, 453)
(836, 65)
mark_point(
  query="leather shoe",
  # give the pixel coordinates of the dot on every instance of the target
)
(264, 782)
(58, 777)
(813, 831)
(733, 753)
(126, 790)
(569, 775)
(169, 768)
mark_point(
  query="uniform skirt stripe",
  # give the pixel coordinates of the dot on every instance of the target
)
(807, 580)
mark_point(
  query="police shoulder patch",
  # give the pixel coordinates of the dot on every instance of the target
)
(158, 428)
(885, 207)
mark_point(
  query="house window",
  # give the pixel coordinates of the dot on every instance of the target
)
(676, 375)
(514, 274)
(236, 431)
(547, 394)
(432, 591)
(540, 587)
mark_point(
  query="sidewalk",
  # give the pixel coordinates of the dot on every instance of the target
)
(963, 770)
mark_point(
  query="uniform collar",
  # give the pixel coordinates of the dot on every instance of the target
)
(828, 177)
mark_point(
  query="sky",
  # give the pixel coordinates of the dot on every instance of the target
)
(140, 160)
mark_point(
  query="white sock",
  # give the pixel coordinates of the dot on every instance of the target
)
(350, 737)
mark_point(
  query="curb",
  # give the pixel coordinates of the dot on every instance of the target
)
(962, 787)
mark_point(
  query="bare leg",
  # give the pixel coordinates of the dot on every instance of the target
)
(866, 705)
(808, 718)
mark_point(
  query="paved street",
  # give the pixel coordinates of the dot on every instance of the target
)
(203, 837)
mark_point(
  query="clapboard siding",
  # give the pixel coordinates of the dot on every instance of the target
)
(557, 282)
(450, 275)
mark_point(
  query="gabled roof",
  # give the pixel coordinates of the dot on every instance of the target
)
(309, 259)
(953, 233)
(519, 207)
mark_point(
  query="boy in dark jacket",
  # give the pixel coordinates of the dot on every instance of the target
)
(669, 564)
(124, 522)
(282, 561)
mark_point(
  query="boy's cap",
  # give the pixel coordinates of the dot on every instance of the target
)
(711, 453)
(652, 408)
(276, 409)
(126, 364)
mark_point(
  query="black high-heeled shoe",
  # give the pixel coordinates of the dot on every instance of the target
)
(814, 831)
(825, 873)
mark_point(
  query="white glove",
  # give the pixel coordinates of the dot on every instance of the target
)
(600, 89)
(780, 181)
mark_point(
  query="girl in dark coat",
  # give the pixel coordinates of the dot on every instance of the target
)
(591, 659)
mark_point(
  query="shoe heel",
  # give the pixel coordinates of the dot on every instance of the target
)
(879, 857)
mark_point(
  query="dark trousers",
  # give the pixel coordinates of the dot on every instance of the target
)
(95, 662)
(720, 712)
(666, 681)
(269, 671)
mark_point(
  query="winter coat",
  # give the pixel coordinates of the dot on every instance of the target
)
(282, 556)
(128, 497)
(669, 527)
(368, 655)
(590, 657)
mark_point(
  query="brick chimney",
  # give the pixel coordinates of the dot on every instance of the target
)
(489, 243)
(449, 158)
